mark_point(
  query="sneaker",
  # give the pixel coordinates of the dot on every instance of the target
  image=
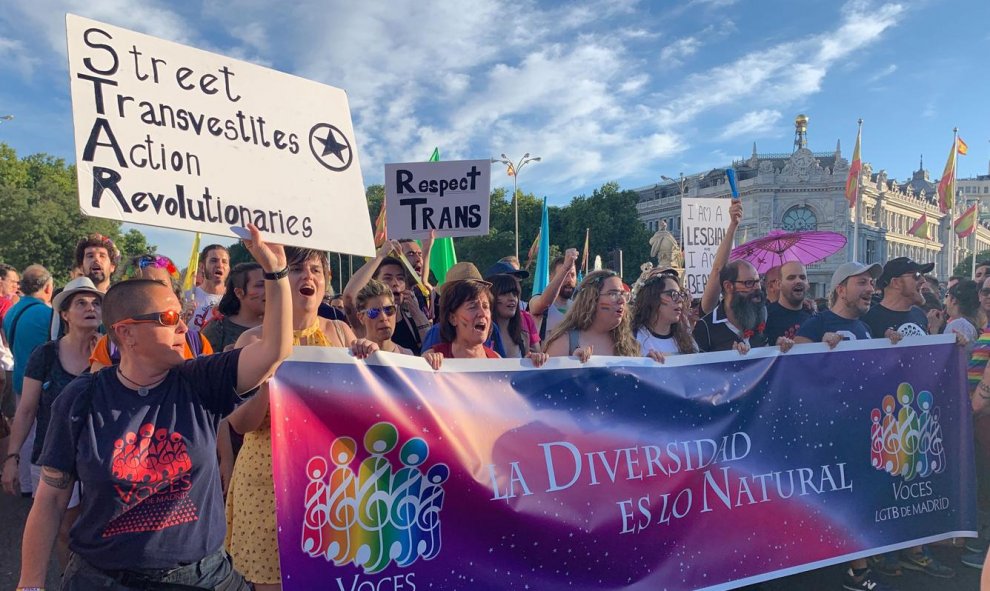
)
(923, 562)
(887, 564)
(974, 560)
(863, 582)
(977, 545)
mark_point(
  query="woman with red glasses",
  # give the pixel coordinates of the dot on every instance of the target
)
(141, 438)
(376, 310)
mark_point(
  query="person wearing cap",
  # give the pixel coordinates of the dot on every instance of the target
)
(982, 271)
(49, 369)
(901, 282)
(411, 325)
(852, 288)
(462, 271)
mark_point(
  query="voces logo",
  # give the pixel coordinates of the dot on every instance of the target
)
(376, 513)
(905, 435)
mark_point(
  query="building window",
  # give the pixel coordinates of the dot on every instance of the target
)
(798, 219)
(871, 251)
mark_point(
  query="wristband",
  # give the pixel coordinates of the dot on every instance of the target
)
(276, 275)
(981, 388)
(30, 589)
(15, 455)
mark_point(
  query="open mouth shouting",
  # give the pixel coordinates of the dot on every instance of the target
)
(307, 290)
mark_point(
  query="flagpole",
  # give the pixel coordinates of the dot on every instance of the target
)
(952, 187)
(859, 184)
(976, 221)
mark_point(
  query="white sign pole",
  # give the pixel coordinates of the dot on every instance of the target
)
(172, 136)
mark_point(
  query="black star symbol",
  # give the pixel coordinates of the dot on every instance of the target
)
(326, 139)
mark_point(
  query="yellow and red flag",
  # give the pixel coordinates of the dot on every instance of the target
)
(947, 184)
(966, 223)
(852, 181)
(920, 227)
(381, 230)
(961, 147)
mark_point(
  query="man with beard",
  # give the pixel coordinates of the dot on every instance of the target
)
(852, 288)
(899, 309)
(418, 258)
(214, 262)
(740, 318)
(982, 271)
(548, 308)
(97, 258)
(786, 315)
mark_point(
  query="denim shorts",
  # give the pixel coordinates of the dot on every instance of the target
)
(213, 573)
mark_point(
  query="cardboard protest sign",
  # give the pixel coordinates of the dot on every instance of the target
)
(172, 136)
(451, 197)
(703, 224)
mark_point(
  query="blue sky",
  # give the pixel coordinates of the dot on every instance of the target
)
(601, 90)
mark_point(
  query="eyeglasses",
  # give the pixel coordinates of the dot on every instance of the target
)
(373, 313)
(674, 295)
(616, 295)
(749, 283)
(166, 318)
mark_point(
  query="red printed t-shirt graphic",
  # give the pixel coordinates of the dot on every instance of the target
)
(154, 469)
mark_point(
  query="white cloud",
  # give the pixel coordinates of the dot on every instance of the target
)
(883, 73)
(675, 53)
(752, 124)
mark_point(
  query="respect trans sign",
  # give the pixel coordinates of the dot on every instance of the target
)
(172, 136)
(451, 198)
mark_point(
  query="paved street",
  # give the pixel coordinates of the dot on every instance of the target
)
(13, 513)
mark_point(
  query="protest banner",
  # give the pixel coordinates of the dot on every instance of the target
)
(712, 471)
(451, 197)
(703, 224)
(172, 136)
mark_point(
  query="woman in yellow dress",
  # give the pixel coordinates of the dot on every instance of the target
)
(251, 532)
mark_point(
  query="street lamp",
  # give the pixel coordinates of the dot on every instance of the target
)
(682, 183)
(514, 173)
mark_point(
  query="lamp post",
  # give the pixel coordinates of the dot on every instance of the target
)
(681, 184)
(514, 172)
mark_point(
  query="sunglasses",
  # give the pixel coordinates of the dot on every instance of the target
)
(915, 275)
(373, 313)
(166, 318)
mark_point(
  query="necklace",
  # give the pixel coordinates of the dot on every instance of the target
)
(143, 389)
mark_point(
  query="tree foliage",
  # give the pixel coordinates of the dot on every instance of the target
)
(40, 217)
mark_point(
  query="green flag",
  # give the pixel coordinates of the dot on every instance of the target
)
(442, 255)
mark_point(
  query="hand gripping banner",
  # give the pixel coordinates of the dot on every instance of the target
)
(712, 471)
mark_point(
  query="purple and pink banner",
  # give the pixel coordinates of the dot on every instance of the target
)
(712, 471)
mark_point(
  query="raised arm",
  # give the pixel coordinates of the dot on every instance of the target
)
(260, 359)
(361, 277)
(713, 289)
(539, 304)
(427, 248)
(41, 529)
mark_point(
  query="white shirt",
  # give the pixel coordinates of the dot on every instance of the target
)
(648, 341)
(204, 304)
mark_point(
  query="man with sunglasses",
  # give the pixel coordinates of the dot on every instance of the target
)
(899, 309)
(740, 318)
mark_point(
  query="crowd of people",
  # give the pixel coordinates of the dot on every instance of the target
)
(138, 416)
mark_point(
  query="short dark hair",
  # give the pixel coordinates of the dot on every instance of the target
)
(295, 255)
(97, 241)
(452, 297)
(127, 299)
(391, 261)
(206, 251)
(730, 272)
(556, 263)
(982, 264)
(5, 268)
(405, 240)
(229, 304)
(34, 279)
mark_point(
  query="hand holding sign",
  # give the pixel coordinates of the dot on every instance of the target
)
(270, 256)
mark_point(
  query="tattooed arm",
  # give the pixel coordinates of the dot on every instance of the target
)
(42, 525)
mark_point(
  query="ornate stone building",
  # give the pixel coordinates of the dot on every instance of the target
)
(805, 190)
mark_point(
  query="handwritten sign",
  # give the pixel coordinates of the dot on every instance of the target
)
(172, 136)
(449, 197)
(703, 225)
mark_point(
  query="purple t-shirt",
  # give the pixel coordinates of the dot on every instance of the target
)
(147, 464)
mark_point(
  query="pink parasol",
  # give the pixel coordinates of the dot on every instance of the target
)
(779, 247)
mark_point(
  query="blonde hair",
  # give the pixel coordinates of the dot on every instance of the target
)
(582, 312)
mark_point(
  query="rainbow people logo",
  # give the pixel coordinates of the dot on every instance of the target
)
(368, 512)
(905, 435)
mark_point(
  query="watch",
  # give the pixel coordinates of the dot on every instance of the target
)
(276, 275)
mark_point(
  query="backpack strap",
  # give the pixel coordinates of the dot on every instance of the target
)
(13, 323)
(573, 341)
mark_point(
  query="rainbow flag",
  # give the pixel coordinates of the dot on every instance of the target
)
(966, 223)
(947, 184)
(961, 148)
(920, 228)
(852, 181)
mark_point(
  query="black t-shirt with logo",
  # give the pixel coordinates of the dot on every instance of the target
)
(147, 464)
(913, 322)
(783, 322)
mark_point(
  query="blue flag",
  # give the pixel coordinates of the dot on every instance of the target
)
(542, 276)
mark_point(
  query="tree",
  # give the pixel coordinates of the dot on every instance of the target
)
(134, 243)
(964, 268)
